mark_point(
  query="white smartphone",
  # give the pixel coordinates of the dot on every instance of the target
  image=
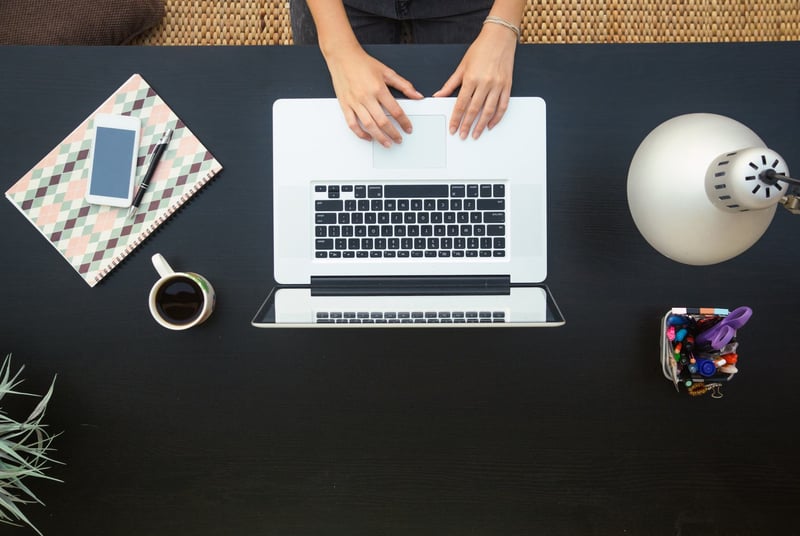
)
(112, 160)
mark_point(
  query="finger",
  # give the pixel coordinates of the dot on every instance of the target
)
(355, 125)
(505, 98)
(450, 86)
(394, 109)
(377, 124)
(472, 111)
(401, 84)
(459, 109)
(490, 108)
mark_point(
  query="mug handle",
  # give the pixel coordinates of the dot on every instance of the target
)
(161, 265)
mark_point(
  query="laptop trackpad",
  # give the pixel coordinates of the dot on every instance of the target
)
(425, 147)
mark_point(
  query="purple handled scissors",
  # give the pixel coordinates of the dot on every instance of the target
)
(721, 333)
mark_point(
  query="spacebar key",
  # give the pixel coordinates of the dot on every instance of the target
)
(415, 190)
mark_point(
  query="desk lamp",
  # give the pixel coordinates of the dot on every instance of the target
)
(703, 188)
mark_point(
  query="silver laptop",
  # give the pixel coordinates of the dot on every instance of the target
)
(436, 231)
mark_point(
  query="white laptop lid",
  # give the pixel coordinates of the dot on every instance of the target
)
(312, 144)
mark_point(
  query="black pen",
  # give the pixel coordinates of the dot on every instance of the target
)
(157, 152)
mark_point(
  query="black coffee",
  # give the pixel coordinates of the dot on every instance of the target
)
(180, 300)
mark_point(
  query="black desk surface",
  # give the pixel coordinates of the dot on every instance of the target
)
(227, 429)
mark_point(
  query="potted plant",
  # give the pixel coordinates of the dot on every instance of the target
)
(25, 446)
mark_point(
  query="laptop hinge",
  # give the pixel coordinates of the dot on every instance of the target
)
(410, 285)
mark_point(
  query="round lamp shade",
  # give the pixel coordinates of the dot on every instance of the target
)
(671, 203)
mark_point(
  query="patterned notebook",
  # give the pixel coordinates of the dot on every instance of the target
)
(96, 238)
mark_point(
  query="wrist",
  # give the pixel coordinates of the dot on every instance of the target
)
(493, 21)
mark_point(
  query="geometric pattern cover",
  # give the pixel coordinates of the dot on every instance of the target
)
(96, 238)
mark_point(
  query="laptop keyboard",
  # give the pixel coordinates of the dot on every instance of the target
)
(410, 317)
(407, 221)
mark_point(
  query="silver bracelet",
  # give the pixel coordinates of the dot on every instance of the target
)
(503, 22)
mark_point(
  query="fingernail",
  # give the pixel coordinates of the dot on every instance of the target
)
(452, 130)
(387, 144)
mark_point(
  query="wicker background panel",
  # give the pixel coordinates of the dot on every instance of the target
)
(266, 22)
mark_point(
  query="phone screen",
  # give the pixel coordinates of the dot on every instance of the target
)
(111, 165)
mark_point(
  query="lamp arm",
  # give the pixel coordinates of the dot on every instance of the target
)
(790, 201)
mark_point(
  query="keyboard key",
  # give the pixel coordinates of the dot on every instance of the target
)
(499, 190)
(494, 217)
(374, 191)
(486, 190)
(320, 188)
(320, 231)
(491, 204)
(324, 218)
(472, 190)
(360, 191)
(415, 190)
(329, 205)
(457, 190)
(323, 243)
(496, 230)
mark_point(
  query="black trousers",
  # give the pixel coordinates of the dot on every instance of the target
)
(400, 21)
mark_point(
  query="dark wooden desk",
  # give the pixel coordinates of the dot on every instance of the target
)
(231, 430)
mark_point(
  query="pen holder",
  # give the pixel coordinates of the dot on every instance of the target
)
(699, 348)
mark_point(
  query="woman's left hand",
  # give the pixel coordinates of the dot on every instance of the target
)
(485, 75)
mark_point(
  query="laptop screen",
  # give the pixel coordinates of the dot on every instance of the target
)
(520, 305)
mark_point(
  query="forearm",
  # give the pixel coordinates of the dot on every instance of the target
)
(333, 27)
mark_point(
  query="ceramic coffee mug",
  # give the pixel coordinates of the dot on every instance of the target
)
(180, 300)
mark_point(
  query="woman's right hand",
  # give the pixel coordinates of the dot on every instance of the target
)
(362, 84)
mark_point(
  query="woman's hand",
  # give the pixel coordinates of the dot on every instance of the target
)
(362, 86)
(485, 75)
